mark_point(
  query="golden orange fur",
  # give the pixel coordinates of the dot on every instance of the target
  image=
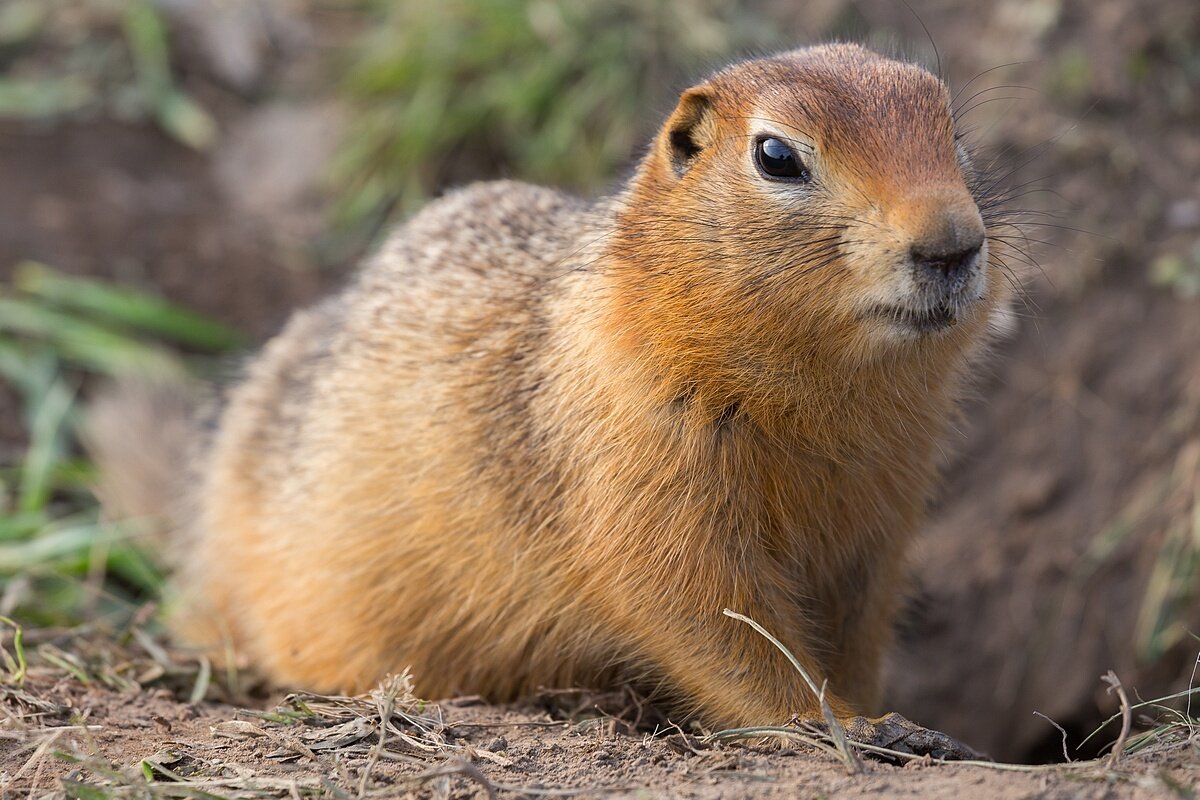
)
(543, 442)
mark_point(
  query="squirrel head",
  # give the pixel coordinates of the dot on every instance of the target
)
(811, 205)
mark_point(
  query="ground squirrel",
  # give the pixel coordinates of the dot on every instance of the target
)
(541, 442)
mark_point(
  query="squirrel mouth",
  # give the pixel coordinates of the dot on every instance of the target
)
(920, 321)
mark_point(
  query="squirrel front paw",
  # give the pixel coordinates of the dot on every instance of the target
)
(899, 734)
(895, 732)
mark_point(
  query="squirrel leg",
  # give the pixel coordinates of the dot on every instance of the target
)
(730, 673)
(738, 677)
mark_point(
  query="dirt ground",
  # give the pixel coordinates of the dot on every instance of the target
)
(572, 744)
(1078, 456)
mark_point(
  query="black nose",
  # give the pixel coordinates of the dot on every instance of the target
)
(946, 265)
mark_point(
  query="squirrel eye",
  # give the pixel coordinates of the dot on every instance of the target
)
(777, 160)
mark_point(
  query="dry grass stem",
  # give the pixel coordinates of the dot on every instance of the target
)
(1066, 756)
(837, 734)
(459, 766)
(1114, 685)
(34, 761)
(385, 705)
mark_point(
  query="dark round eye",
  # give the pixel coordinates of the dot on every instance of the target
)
(777, 160)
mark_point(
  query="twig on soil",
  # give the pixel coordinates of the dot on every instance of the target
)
(1187, 711)
(837, 734)
(458, 766)
(385, 704)
(203, 678)
(1066, 757)
(1114, 685)
(820, 739)
(529, 791)
(35, 759)
(532, 723)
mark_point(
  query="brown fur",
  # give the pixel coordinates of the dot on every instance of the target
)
(542, 442)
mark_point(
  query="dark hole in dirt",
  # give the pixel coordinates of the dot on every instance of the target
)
(1049, 749)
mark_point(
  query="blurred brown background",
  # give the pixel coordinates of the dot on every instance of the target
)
(237, 157)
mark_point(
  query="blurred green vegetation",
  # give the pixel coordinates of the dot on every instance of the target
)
(553, 91)
(1179, 272)
(70, 58)
(60, 561)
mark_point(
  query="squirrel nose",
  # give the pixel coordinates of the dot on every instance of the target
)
(947, 264)
(947, 245)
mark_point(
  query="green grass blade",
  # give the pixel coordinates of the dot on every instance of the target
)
(50, 546)
(177, 113)
(130, 308)
(21, 20)
(131, 563)
(85, 343)
(185, 120)
(46, 447)
(146, 36)
(22, 524)
(42, 98)
(18, 661)
(30, 370)
(77, 790)
(13, 361)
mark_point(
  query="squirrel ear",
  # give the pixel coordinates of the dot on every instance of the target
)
(690, 129)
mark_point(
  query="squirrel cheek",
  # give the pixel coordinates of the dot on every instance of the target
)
(874, 265)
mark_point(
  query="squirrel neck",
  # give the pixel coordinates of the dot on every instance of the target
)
(624, 340)
(833, 450)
